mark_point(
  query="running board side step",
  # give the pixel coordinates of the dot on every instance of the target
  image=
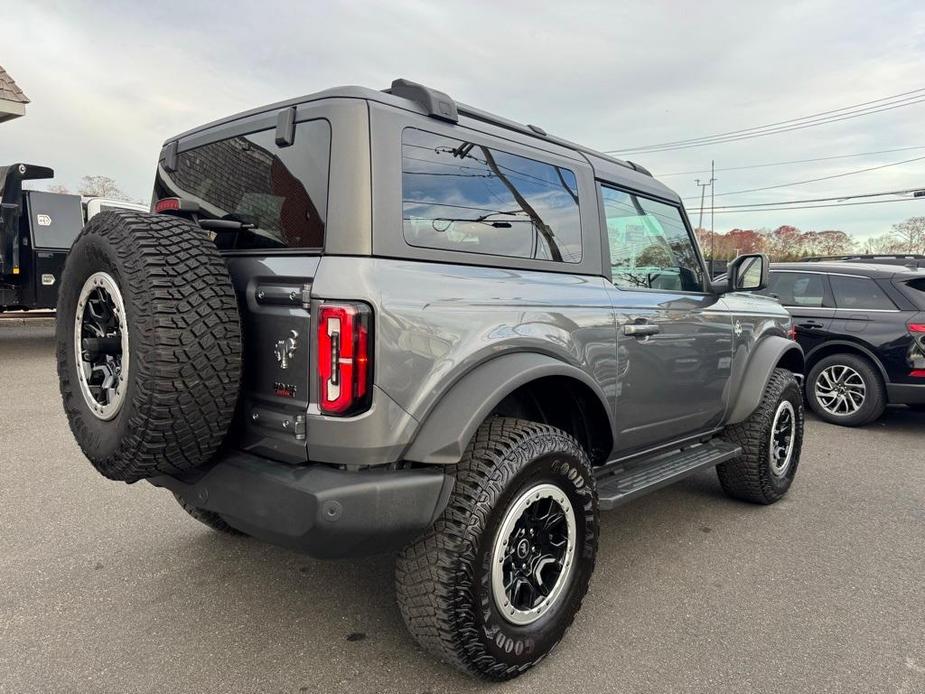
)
(621, 483)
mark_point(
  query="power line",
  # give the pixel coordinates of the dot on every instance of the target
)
(822, 118)
(772, 132)
(792, 161)
(850, 196)
(812, 118)
(814, 180)
(812, 207)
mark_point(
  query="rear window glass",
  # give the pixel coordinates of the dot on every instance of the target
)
(797, 289)
(463, 196)
(859, 293)
(281, 190)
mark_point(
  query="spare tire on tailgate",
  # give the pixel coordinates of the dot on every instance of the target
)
(148, 345)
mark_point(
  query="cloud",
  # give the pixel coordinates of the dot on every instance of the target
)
(110, 81)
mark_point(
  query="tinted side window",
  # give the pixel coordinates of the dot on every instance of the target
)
(463, 196)
(282, 190)
(650, 247)
(797, 289)
(859, 293)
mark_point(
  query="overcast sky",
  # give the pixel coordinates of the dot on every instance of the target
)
(110, 81)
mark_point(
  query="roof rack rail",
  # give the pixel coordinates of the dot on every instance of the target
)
(864, 256)
(438, 104)
(435, 103)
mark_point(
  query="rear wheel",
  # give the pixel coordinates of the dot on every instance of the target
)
(845, 389)
(148, 345)
(496, 582)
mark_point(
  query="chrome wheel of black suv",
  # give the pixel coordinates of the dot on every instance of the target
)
(845, 389)
(494, 585)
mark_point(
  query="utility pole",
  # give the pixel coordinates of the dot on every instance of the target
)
(703, 191)
(712, 212)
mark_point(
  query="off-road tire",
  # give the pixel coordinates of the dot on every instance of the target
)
(874, 397)
(184, 345)
(749, 477)
(443, 579)
(209, 518)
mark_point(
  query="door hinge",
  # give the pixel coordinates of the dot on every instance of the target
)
(300, 427)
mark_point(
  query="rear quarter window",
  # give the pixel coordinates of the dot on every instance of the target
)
(860, 293)
(468, 197)
(282, 190)
(915, 290)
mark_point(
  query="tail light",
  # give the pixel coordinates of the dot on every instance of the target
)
(792, 332)
(344, 358)
(916, 354)
(167, 205)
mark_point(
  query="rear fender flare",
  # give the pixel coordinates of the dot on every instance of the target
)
(445, 432)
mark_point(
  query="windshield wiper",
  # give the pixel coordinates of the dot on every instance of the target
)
(225, 225)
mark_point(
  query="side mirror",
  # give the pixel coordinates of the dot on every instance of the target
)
(747, 273)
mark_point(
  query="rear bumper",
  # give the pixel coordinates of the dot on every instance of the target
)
(317, 509)
(906, 393)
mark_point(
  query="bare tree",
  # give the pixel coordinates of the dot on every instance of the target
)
(102, 187)
(911, 235)
(58, 188)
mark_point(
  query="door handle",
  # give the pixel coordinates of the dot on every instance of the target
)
(810, 324)
(641, 329)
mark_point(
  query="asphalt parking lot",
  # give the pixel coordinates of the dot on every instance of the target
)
(111, 588)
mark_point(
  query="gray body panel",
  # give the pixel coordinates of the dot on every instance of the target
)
(456, 332)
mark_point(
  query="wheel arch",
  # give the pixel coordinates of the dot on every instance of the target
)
(831, 347)
(772, 352)
(527, 385)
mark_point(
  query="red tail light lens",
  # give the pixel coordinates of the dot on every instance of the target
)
(344, 358)
(792, 332)
(167, 205)
(916, 327)
(917, 373)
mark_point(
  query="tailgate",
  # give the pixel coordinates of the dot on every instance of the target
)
(276, 327)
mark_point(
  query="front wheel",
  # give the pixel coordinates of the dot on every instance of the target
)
(771, 440)
(494, 585)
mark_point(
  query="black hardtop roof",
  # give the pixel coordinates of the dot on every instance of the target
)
(871, 270)
(420, 101)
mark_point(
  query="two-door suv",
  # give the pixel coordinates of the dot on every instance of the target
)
(363, 321)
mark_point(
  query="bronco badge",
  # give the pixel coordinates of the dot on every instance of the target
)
(285, 349)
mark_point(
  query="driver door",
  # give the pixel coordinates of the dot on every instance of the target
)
(674, 344)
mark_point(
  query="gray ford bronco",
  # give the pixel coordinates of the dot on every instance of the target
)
(369, 321)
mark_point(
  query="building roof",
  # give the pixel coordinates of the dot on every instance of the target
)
(9, 90)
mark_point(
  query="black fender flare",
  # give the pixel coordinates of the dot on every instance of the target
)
(767, 355)
(447, 429)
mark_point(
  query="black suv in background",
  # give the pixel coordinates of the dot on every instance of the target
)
(862, 327)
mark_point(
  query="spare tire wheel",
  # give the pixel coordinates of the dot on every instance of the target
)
(148, 345)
